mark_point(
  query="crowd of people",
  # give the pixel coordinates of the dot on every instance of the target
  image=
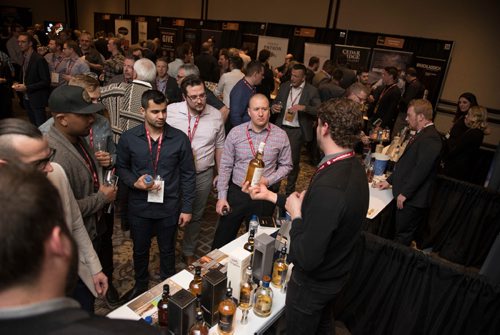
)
(134, 132)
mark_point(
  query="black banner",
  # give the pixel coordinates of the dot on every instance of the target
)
(357, 57)
(430, 72)
(168, 37)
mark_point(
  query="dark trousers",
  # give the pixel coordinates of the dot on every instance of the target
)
(83, 295)
(36, 114)
(295, 138)
(242, 207)
(141, 231)
(409, 222)
(308, 310)
(105, 252)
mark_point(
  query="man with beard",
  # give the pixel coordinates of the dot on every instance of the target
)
(39, 262)
(155, 150)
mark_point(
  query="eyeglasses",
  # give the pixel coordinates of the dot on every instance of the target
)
(193, 98)
(42, 163)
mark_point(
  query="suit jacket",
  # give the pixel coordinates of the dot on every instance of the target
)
(330, 90)
(387, 107)
(416, 169)
(89, 263)
(37, 81)
(80, 178)
(309, 98)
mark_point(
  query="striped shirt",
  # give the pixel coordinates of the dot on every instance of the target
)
(237, 154)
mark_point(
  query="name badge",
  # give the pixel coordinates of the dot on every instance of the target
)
(54, 78)
(156, 196)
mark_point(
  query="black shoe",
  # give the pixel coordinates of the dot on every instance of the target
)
(112, 297)
(132, 293)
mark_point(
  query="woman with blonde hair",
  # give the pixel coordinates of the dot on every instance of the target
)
(462, 145)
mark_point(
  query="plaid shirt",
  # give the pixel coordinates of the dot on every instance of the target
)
(237, 154)
(113, 66)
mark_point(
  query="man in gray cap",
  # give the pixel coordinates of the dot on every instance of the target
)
(74, 114)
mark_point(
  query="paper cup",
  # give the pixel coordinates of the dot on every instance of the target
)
(380, 164)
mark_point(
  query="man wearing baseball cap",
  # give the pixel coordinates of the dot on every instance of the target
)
(74, 114)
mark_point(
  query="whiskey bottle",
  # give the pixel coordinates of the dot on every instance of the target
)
(246, 290)
(256, 166)
(280, 268)
(249, 246)
(163, 308)
(227, 310)
(200, 327)
(263, 299)
(195, 284)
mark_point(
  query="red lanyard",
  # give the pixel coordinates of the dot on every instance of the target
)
(385, 90)
(191, 134)
(250, 142)
(90, 166)
(56, 65)
(155, 161)
(292, 99)
(330, 162)
(91, 138)
(248, 85)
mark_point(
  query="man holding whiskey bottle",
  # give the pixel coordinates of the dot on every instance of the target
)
(239, 149)
(326, 220)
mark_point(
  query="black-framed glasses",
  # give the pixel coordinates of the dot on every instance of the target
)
(42, 163)
(193, 98)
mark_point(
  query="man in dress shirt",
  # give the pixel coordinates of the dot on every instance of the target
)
(164, 83)
(240, 147)
(155, 149)
(90, 55)
(55, 59)
(415, 172)
(243, 91)
(229, 79)
(299, 101)
(184, 55)
(205, 128)
(73, 64)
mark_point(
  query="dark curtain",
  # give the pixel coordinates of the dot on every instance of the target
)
(397, 290)
(464, 221)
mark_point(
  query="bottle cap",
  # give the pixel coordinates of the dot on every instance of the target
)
(254, 217)
(149, 320)
(166, 288)
(261, 146)
(148, 179)
(197, 270)
(266, 279)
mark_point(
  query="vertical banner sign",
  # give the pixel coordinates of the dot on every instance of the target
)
(124, 28)
(143, 30)
(168, 36)
(322, 51)
(430, 72)
(357, 57)
(278, 47)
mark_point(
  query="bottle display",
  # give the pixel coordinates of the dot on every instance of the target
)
(227, 310)
(263, 299)
(249, 246)
(195, 284)
(200, 327)
(256, 166)
(163, 307)
(246, 290)
(254, 224)
(280, 269)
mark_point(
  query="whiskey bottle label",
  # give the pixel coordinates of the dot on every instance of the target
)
(226, 322)
(257, 174)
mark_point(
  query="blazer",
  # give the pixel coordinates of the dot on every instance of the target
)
(80, 178)
(416, 169)
(88, 261)
(37, 81)
(309, 98)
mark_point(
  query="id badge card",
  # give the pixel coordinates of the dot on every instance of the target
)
(156, 196)
(54, 78)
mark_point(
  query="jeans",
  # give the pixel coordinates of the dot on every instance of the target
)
(141, 231)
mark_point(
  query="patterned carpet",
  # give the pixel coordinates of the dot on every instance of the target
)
(122, 244)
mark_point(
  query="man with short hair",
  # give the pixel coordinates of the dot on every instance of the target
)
(348, 74)
(164, 83)
(299, 102)
(90, 55)
(35, 82)
(331, 89)
(386, 107)
(207, 63)
(204, 127)
(163, 153)
(39, 263)
(183, 55)
(55, 59)
(414, 173)
(312, 68)
(240, 147)
(326, 221)
(414, 89)
(229, 79)
(114, 64)
(243, 91)
(22, 141)
(74, 114)
(266, 86)
(128, 71)
(73, 65)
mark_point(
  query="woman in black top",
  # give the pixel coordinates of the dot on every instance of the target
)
(463, 143)
(465, 101)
